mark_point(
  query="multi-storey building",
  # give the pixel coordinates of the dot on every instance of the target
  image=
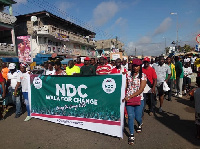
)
(7, 34)
(49, 34)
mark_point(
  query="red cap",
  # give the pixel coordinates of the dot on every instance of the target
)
(137, 61)
(87, 59)
(146, 59)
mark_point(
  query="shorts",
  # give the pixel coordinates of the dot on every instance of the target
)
(186, 80)
(197, 118)
(160, 89)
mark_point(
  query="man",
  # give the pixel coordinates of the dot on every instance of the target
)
(103, 68)
(173, 77)
(179, 76)
(87, 69)
(22, 79)
(71, 69)
(50, 70)
(4, 71)
(78, 62)
(93, 63)
(151, 82)
(58, 69)
(124, 64)
(118, 68)
(192, 59)
(161, 70)
(12, 82)
(187, 77)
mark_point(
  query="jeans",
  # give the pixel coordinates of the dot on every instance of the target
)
(149, 99)
(134, 113)
(17, 101)
(25, 94)
(179, 85)
(169, 93)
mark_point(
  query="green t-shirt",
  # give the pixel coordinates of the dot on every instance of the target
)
(88, 70)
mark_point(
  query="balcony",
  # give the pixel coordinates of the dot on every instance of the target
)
(6, 18)
(7, 49)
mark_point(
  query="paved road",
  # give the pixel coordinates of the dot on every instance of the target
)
(172, 129)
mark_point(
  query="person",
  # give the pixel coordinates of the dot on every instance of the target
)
(124, 63)
(172, 78)
(118, 68)
(93, 63)
(71, 69)
(179, 76)
(45, 67)
(22, 79)
(197, 107)
(78, 62)
(11, 83)
(4, 71)
(87, 69)
(151, 82)
(136, 83)
(58, 70)
(161, 70)
(50, 70)
(187, 77)
(192, 60)
(103, 68)
(2, 82)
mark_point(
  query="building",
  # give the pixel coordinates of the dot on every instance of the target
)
(50, 34)
(105, 47)
(7, 33)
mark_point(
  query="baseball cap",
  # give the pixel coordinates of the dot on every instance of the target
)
(11, 66)
(24, 65)
(136, 61)
(146, 59)
(87, 59)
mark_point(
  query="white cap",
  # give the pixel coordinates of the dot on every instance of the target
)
(11, 66)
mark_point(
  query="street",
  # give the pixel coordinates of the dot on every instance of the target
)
(174, 128)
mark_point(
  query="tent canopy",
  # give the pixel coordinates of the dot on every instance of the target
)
(10, 59)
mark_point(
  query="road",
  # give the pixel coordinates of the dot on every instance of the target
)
(174, 128)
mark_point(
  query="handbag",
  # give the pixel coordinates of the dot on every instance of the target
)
(135, 101)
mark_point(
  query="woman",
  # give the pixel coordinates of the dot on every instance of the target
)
(136, 83)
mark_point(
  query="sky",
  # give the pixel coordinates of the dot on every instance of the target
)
(146, 25)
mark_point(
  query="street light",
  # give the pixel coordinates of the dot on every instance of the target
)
(175, 13)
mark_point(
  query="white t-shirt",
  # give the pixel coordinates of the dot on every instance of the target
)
(48, 72)
(23, 78)
(13, 78)
(187, 71)
(193, 60)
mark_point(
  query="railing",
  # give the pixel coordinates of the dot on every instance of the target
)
(7, 49)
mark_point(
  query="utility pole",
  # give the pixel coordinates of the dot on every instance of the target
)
(135, 51)
(116, 44)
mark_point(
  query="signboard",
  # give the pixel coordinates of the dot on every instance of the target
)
(114, 56)
(92, 103)
(198, 38)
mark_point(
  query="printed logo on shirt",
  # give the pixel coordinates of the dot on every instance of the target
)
(37, 82)
(109, 85)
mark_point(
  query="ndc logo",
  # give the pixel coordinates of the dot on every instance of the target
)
(109, 85)
(37, 82)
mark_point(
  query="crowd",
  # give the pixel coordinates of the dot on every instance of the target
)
(147, 80)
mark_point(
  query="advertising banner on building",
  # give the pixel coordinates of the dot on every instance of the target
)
(92, 103)
(24, 50)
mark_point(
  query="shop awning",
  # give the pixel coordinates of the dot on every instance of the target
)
(10, 59)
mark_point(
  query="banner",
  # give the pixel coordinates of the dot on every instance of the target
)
(24, 50)
(92, 103)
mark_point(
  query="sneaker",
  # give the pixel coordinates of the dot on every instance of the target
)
(180, 95)
(139, 129)
(176, 94)
(160, 109)
(27, 118)
(131, 139)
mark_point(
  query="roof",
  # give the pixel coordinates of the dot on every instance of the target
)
(46, 13)
(7, 2)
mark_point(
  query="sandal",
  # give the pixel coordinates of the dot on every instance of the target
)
(131, 140)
